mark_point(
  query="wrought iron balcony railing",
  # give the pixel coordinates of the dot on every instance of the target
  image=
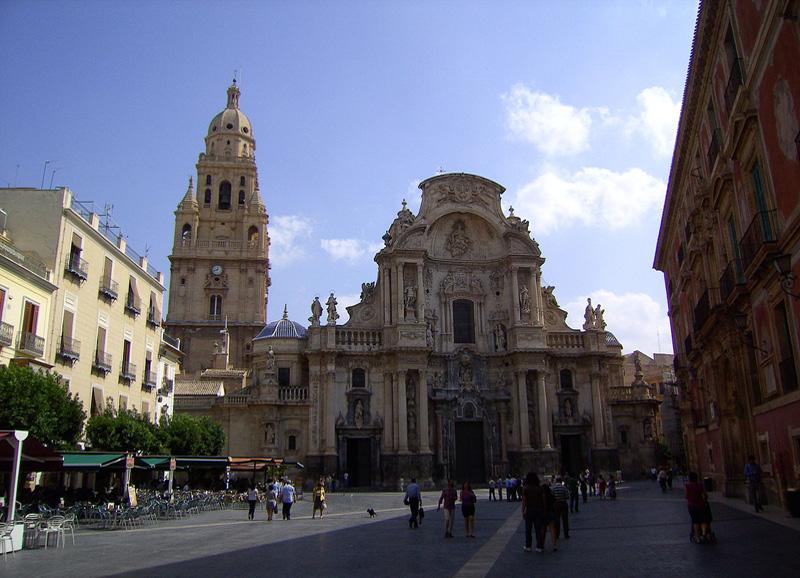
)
(762, 231)
(153, 317)
(6, 333)
(133, 305)
(109, 289)
(732, 276)
(77, 267)
(102, 361)
(150, 379)
(127, 371)
(31, 343)
(69, 349)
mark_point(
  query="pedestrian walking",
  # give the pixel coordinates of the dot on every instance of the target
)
(412, 499)
(612, 487)
(318, 493)
(584, 486)
(552, 517)
(561, 507)
(468, 500)
(534, 512)
(601, 487)
(448, 500)
(572, 486)
(753, 473)
(492, 485)
(272, 501)
(662, 480)
(592, 481)
(252, 500)
(500, 489)
(287, 497)
(509, 483)
(699, 509)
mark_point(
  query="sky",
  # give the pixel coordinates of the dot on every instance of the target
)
(571, 106)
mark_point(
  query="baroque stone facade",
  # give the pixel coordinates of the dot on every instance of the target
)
(455, 362)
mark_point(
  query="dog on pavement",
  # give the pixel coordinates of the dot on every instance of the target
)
(371, 512)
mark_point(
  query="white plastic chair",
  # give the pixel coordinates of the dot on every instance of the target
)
(6, 535)
(54, 525)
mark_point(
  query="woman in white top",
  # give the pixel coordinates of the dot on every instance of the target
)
(252, 500)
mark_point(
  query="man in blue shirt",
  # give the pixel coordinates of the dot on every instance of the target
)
(752, 473)
(413, 499)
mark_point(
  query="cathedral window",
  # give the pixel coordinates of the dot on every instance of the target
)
(242, 181)
(224, 201)
(207, 197)
(186, 232)
(565, 378)
(241, 197)
(359, 377)
(463, 321)
(215, 306)
(252, 234)
(208, 180)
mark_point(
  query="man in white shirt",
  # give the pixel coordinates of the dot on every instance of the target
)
(287, 497)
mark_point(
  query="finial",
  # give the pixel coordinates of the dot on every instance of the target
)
(285, 312)
(233, 95)
(404, 204)
(440, 170)
(191, 181)
(511, 211)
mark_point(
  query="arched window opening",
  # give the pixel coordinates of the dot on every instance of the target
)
(215, 306)
(463, 321)
(359, 377)
(224, 202)
(241, 197)
(186, 233)
(252, 234)
(292, 443)
(565, 379)
(242, 181)
(207, 197)
(208, 180)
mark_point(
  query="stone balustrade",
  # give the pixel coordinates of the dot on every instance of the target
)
(565, 340)
(358, 339)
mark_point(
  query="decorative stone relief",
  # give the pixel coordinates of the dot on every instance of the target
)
(786, 123)
(367, 292)
(496, 280)
(458, 243)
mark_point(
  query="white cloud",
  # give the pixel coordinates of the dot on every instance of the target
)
(349, 250)
(657, 121)
(287, 233)
(591, 196)
(343, 302)
(553, 127)
(636, 319)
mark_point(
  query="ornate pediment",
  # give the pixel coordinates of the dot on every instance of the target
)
(462, 282)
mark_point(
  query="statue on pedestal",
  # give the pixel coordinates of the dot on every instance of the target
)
(332, 315)
(316, 312)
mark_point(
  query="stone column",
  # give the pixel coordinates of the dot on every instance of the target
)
(536, 289)
(515, 294)
(598, 412)
(501, 423)
(544, 418)
(439, 439)
(386, 286)
(330, 418)
(422, 414)
(388, 412)
(522, 409)
(401, 307)
(402, 413)
(420, 295)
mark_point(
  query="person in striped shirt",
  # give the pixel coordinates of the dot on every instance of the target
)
(561, 506)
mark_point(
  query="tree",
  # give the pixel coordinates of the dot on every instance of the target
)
(123, 431)
(186, 435)
(42, 404)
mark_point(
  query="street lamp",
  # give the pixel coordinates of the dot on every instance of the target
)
(783, 265)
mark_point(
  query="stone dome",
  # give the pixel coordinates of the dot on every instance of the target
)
(231, 120)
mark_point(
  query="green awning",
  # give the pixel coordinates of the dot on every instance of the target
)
(153, 462)
(92, 460)
(201, 461)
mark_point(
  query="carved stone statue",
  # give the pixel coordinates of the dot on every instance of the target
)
(588, 315)
(637, 363)
(648, 429)
(599, 323)
(359, 414)
(316, 312)
(429, 334)
(270, 360)
(367, 292)
(568, 408)
(499, 337)
(410, 298)
(524, 299)
(465, 376)
(269, 435)
(458, 244)
(331, 305)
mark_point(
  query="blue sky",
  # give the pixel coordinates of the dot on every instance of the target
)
(572, 106)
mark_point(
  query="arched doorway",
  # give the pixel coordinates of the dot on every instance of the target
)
(470, 458)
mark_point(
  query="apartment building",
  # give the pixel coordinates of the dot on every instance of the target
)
(102, 331)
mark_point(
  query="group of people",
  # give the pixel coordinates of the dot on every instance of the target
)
(277, 491)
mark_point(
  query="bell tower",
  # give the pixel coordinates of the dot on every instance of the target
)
(219, 273)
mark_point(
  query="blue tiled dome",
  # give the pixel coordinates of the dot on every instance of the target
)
(282, 329)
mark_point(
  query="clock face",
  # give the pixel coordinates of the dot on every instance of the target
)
(216, 269)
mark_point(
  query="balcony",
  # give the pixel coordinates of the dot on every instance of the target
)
(150, 379)
(734, 83)
(732, 277)
(701, 311)
(153, 317)
(31, 343)
(214, 317)
(133, 305)
(293, 393)
(102, 362)
(171, 341)
(77, 267)
(358, 340)
(127, 371)
(109, 289)
(69, 349)
(6, 333)
(761, 236)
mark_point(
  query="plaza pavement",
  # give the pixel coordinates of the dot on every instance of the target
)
(644, 533)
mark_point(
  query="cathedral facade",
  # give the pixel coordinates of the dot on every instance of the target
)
(456, 362)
